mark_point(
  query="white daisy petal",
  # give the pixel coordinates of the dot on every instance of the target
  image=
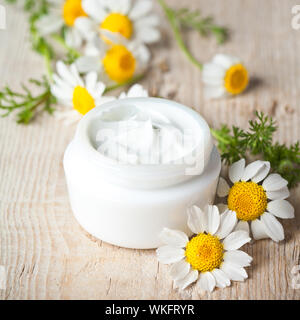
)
(94, 9)
(191, 277)
(112, 6)
(235, 240)
(236, 170)
(85, 25)
(173, 237)
(279, 194)
(238, 257)
(281, 209)
(61, 83)
(214, 92)
(234, 272)
(258, 230)
(76, 75)
(102, 100)
(100, 87)
(197, 219)
(225, 60)
(167, 254)
(124, 6)
(206, 282)
(140, 8)
(252, 169)
(123, 95)
(65, 73)
(91, 80)
(223, 188)
(213, 219)
(137, 90)
(213, 81)
(273, 227)
(148, 35)
(274, 182)
(242, 226)
(73, 38)
(48, 24)
(213, 75)
(87, 63)
(227, 223)
(179, 269)
(262, 172)
(61, 93)
(222, 280)
(151, 20)
(143, 54)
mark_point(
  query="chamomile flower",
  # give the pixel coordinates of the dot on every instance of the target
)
(136, 91)
(76, 95)
(211, 257)
(257, 199)
(117, 61)
(63, 13)
(131, 19)
(224, 75)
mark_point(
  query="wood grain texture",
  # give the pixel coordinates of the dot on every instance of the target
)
(46, 253)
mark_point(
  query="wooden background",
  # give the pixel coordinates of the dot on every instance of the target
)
(46, 253)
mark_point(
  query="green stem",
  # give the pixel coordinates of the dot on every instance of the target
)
(218, 137)
(176, 30)
(59, 39)
(125, 83)
(49, 69)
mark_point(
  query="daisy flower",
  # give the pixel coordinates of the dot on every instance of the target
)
(136, 91)
(117, 61)
(257, 199)
(63, 13)
(211, 257)
(224, 75)
(131, 19)
(76, 95)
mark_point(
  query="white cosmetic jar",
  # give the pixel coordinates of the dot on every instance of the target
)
(128, 205)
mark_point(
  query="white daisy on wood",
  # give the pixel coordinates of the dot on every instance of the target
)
(63, 13)
(257, 199)
(224, 75)
(132, 19)
(211, 257)
(117, 60)
(77, 95)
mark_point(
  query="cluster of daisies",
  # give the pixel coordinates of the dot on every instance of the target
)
(212, 257)
(111, 38)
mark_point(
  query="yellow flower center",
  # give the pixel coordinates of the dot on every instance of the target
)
(236, 79)
(247, 199)
(204, 252)
(116, 22)
(119, 63)
(72, 10)
(83, 102)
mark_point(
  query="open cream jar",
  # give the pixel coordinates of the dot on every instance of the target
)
(126, 194)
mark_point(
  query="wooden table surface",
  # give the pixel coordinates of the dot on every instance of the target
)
(45, 252)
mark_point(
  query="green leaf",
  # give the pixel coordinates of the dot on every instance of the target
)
(236, 143)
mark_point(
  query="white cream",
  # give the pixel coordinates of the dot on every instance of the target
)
(131, 135)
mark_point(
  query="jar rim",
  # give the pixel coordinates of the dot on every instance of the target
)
(170, 109)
